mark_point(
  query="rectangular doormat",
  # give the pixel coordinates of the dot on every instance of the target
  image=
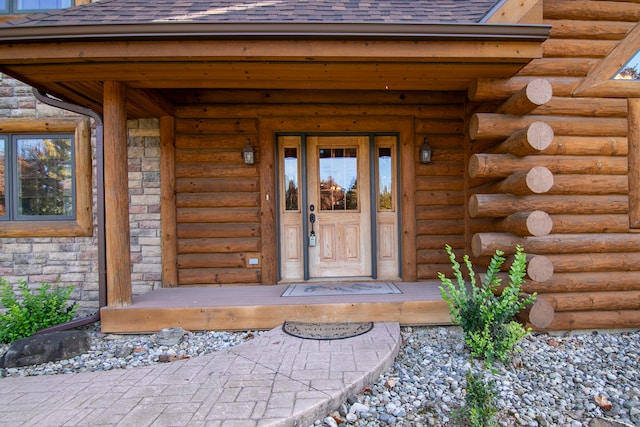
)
(336, 289)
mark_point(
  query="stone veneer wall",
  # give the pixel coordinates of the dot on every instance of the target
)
(74, 260)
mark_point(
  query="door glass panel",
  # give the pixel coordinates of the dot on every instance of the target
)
(385, 179)
(338, 179)
(291, 178)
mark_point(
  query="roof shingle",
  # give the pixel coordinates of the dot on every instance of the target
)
(261, 11)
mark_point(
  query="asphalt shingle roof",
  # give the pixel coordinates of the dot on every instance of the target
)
(272, 11)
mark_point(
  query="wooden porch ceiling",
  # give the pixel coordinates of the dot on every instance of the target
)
(75, 72)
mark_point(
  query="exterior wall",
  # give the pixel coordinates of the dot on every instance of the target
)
(218, 226)
(591, 248)
(73, 261)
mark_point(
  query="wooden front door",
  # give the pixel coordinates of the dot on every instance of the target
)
(338, 181)
(338, 215)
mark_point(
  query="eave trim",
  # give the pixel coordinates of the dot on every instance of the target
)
(284, 31)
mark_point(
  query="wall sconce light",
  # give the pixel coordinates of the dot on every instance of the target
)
(425, 152)
(248, 153)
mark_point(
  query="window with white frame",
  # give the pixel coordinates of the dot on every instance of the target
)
(37, 177)
(29, 6)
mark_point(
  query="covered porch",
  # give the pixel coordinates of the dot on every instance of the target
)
(264, 307)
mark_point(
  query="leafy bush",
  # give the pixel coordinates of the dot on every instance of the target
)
(479, 409)
(487, 319)
(48, 306)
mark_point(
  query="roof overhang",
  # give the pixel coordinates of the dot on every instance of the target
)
(71, 62)
(280, 31)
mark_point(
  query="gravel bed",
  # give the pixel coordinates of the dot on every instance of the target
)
(556, 379)
(113, 351)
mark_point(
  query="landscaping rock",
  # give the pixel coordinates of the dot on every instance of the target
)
(170, 336)
(45, 348)
(604, 422)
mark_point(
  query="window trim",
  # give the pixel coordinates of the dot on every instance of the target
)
(82, 225)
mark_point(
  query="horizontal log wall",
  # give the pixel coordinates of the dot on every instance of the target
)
(440, 189)
(218, 196)
(217, 201)
(592, 267)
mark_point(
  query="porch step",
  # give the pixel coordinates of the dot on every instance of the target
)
(264, 307)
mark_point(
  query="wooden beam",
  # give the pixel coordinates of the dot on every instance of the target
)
(540, 314)
(487, 89)
(503, 165)
(591, 10)
(535, 223)
(532, 139)
(116, 182)
(495, 126)
(603, 261)
(168, 202)
(536, 93)
(501, 205)
(485, 244)
(148, 103)
(613, 319)
(594, 223)
(587, 146)
(598, 30)
(524, 12)
(589, 184)
(634, 163)
(536, 180)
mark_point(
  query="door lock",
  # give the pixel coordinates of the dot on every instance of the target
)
(312, 220)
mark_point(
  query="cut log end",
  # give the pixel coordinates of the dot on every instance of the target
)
(539, 179)
(540, 135)
(539, 268)
(539, 91)
(539, 223)
(540, 314)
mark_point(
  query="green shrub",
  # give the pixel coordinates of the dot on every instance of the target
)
(487, 319)
(479, 409)
(23, 317)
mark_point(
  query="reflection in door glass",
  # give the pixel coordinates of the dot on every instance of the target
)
(338, 179)
(385, 176)
(291, 178)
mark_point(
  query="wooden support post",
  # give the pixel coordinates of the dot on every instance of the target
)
(168, 202)
(116, 194)
(536, 93)
(536, 180)
(532, 139)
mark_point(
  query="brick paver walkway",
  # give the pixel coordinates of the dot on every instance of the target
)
(272, 380)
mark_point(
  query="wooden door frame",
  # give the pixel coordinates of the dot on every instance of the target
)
(267, 129)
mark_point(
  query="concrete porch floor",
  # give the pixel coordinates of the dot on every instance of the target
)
(263, 307)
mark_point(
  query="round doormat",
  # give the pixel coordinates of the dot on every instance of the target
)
(326, 331)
